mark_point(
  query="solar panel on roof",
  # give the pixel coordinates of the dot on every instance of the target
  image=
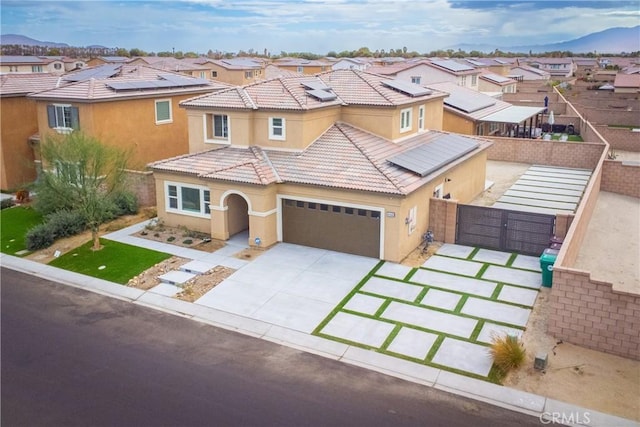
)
(474, 62)
(431, 156)
(101, 72)
(166, 81)
(315, 85)
(496, 78)
(469, 103)
(407, 88)
(183, 81)
(322, 95)
(452, 65)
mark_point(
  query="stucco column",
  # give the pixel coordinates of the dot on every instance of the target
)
(219, 228)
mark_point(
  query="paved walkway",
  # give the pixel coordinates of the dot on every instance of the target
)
(422, 323)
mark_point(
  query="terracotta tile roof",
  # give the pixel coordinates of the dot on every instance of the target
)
(23, 84)
(272, 72)
(99, 89)
(352, 87)
(627, 81)
(343, 157)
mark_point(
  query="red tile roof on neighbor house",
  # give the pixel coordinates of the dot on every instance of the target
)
(98, 89)
(343, 157)
(627, 81)
(24, 84)
(352, 87)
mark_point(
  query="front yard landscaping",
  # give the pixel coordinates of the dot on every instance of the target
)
(15, 222)
(115, 262)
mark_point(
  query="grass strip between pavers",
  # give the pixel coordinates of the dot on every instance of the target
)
(480, 272)
(511, 260)
(116, 262)
(496, 292)
(391, 337)
(421, 295)
(477, 330)
(458, 308)
(472, 254)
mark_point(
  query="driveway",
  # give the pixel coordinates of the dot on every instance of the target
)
(442, 314)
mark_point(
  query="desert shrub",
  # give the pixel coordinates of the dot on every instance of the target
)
(507, 351)
(171, 238)
(39, 237)
(6, 203)
(66, 223)
(125, 204)
(187, 241)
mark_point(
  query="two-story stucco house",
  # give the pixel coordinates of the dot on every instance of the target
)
(131, 107)
(424, 72)
(344, 160)
(18, 123)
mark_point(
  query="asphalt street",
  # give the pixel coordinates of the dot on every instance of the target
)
(76, 358)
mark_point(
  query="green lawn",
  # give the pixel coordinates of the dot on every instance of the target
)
(115, 262)
(571, 138)
(14, 224)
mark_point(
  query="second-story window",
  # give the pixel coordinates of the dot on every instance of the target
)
(415, 80)
(421, 118)
(57, 66)
(217, 128)
(405, 120)
(163, 111)
(474, 80)
(63, 118)
(463, 80)
(300, 69)
(277, 128)
(214, 74)
(248, 74)
(36, 68)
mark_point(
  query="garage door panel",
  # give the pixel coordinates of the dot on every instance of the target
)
(333, 227)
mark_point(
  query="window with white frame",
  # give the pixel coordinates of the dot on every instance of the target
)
(415, 80)
(421, 118)
(214, 74)
(463, 80)
(188, 199)
(63, 117)
(57, 66)
(277, 128)
(405, 120)
(163, 111)
(248, 74)
(217, 127)
(36, 68)
(474, 80)
(300, 69)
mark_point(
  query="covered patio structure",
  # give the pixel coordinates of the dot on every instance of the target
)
(514, 121)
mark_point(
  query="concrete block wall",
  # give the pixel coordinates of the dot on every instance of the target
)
(611, 116)
(553, 153)
(621, 178)
(443, 215)
(592, 314)
(142, 184)
(620, 138)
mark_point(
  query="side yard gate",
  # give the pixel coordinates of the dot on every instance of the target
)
(504, 230)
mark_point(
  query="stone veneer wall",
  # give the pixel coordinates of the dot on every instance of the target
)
(142, 184)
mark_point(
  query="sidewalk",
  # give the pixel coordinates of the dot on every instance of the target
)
(547, 409)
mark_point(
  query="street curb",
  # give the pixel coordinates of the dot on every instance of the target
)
(549, 411)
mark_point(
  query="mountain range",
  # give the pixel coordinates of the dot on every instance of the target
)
(610, 41)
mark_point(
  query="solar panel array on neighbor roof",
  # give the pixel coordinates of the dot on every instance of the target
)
(427, 158)
(407, 88)
(452, 65)
(496, 78)
(322, 95)
(315, 85)
(468, 103)
(166, 81)
(102, 72)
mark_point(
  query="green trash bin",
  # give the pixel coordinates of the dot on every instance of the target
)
(547, 259)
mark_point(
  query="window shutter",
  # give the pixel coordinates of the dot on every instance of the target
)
(51, 115)
(75, 118)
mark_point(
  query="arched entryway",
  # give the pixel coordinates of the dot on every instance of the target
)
(237, 214)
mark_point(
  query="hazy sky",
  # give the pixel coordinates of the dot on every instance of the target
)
(317, 26)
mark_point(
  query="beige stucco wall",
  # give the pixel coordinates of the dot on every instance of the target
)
(452, 122)
(463, 180)
(130, 125)
(18, 122)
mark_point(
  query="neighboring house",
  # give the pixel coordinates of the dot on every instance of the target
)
(131, 107)
(490, 82)
(273, 72)
(350, 64)
(27, 64)
(470, 112)
(452, 71)
(500, 66)
(627, 83)
(556, 67)
(585, 67)
(18, 124)
(235, 71)
(101, 60)
(182, 66)
(344, 160)
(304, 66)
(523, 73)
(68, 64)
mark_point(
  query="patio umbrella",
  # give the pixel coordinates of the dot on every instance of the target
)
(552, 120)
